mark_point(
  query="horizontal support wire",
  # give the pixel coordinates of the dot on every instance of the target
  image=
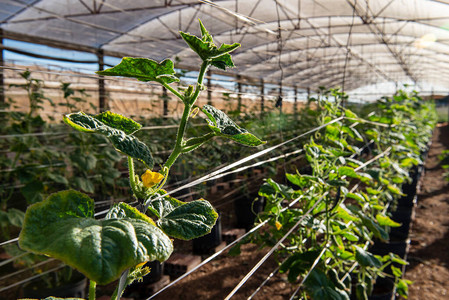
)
(27, 269)
(31, 278)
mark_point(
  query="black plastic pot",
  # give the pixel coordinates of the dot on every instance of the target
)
(404, 216)
(157, 270)
(204, 245)
(399, 247)
(246, 210)
(36, 289)
(383, 289)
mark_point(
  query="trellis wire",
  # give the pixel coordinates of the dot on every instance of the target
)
(266, 256)
(31, 278)
(271, 275)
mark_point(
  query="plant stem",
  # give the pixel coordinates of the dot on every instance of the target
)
(132, 176)
(174, 91)
(177, 150)
(92, 287)
(199, 82)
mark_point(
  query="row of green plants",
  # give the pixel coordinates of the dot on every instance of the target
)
(342, 205)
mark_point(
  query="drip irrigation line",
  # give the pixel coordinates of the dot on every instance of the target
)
(257, 266)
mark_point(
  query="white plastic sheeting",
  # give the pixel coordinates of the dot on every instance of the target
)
(303, 43)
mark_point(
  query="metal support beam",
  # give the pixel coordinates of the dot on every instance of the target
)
(262, 95)
(209, 87)
(2, 89)
(239, 93)
(295, 103)
(102, 103)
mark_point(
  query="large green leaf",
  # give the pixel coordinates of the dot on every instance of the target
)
(366, 259)
(183, 220)
(222, 125)
(118, 121)
(207, 50)
(124, 143)
(143, 69)
(63, 227)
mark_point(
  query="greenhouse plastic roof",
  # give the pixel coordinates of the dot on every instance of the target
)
(303, 43)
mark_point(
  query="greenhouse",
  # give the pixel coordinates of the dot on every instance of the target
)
(226, 149)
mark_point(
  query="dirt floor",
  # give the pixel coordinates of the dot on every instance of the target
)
(429, 251)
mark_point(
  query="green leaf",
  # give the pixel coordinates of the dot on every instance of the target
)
(183, 220)
(366, 259)
(386, 221)
(32, 191)
(122, 210)
(207, 50)
(63, 227)
(118, 121)
(319, 286)
(356, 196)
(124, 143)
(15, 217)
(58, 178)
(223, 126)
(375, 228)
(143, 69)
(347, 171)
(84, 184)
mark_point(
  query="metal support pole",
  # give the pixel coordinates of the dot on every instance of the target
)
(239, 93)
(295, 104)
(102, 103)
(308, 96)
(262, 95)
(209, 87)
(165, 102)
(2, 89)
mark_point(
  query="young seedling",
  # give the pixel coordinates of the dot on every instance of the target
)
(63, 226)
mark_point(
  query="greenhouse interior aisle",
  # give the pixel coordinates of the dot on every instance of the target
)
(429, 251)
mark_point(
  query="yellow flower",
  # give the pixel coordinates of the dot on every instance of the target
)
(278, 225)
(150, 178)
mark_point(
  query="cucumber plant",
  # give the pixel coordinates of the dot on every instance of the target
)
(63, 225)
(342, 202)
